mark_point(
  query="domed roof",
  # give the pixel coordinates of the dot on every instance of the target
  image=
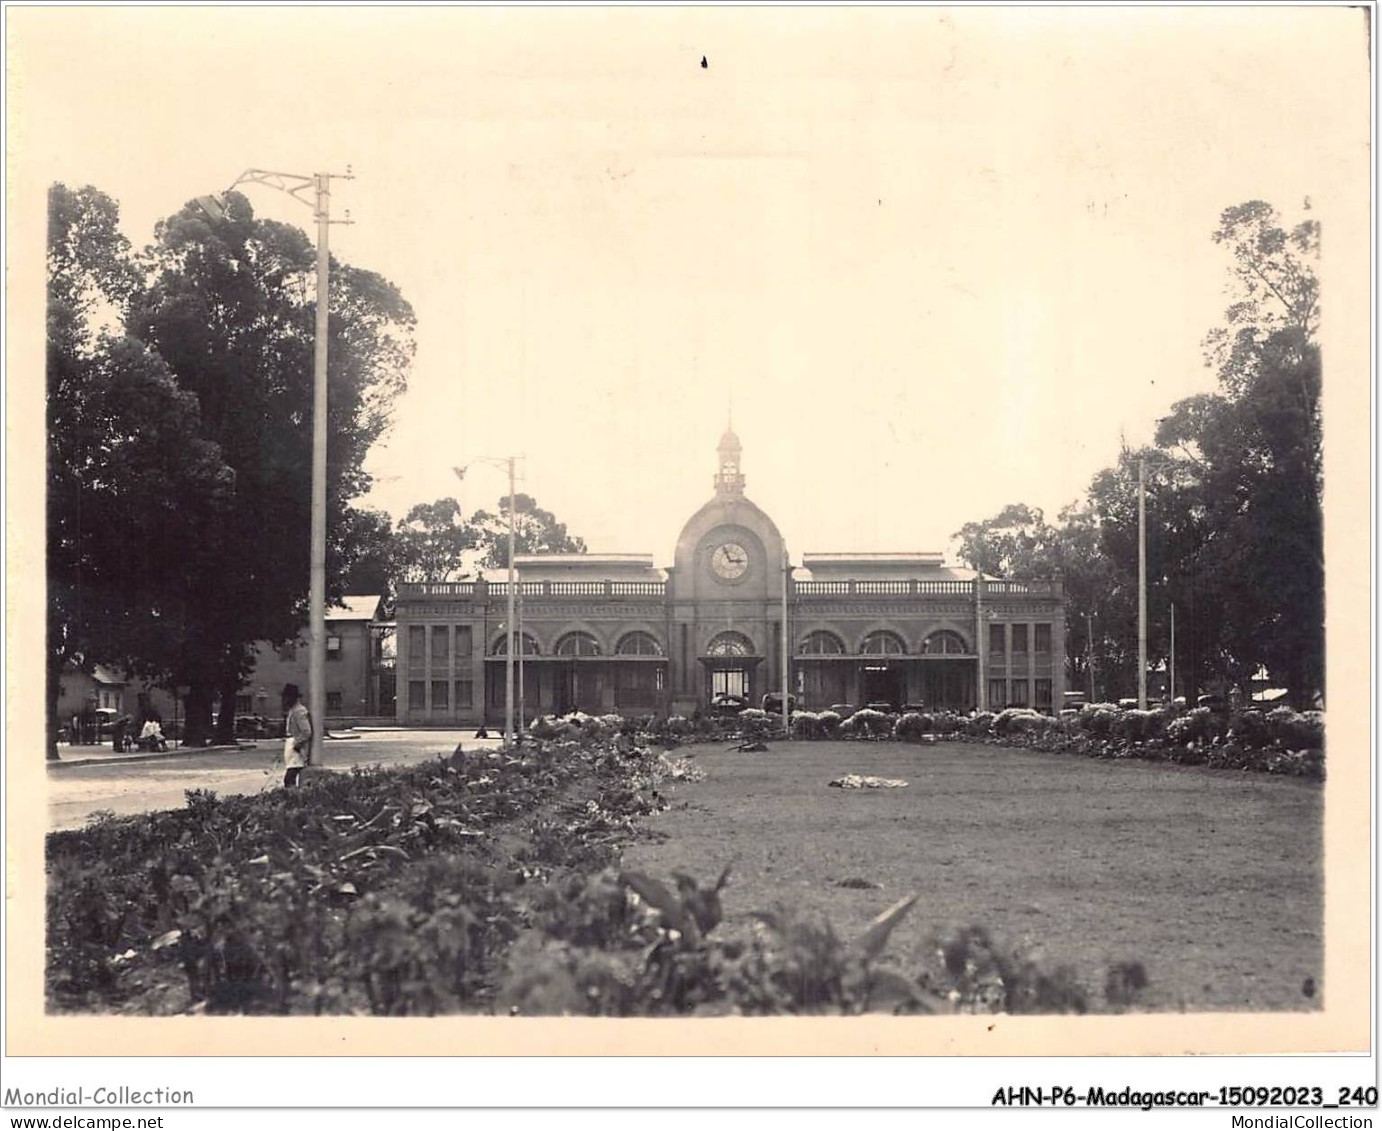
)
(730, 440)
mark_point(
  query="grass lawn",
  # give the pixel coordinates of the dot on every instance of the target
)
(1213, 880)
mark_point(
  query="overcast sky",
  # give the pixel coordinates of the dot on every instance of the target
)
(941, 260)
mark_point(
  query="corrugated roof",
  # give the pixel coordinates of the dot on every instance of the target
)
(580, 567)
(357, 607)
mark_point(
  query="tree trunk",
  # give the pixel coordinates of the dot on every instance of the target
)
(197, 721)
(225, 720)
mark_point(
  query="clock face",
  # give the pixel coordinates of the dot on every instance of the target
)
(730, 561)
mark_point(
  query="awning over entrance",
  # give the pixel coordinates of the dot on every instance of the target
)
(936, 682)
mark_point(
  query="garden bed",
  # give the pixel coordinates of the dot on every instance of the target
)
(483, 884)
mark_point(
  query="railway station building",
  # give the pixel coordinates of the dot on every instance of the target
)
(618, 633)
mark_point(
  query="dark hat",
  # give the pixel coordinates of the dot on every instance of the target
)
(290, 691)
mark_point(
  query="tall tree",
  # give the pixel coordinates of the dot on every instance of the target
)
(431, 542)
(1257, 447)
(231, 310)
(128, 470)
(536, 531)
(1019, 543)
(370, 553)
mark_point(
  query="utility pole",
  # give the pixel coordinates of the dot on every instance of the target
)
(511, 626)
(1173, 653)
(297, 186)
(316, 601)
(1089, 652)
(508, 660)
(1141, 584)
(786, 651)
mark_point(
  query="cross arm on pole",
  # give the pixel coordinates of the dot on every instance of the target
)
(300, 187)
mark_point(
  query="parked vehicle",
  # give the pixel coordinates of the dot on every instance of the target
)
(772, 702)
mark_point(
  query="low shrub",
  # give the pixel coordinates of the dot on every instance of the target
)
(1196, 725)
(1135, 725)
(867, 723)
(947, 722)
(911, 726)
(1296, 730)
(549, 727)
(979, 724)
(627, 944)
(756, 723)
(1249, 728)
(1099, 719)
(1016, 719)
(806, 724)
(830, 723)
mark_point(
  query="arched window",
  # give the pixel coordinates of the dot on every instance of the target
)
(822, 644)
(882, 644)
(638, 644)
(578, 644)
(527, 648)
(944, 642)
(730, 644)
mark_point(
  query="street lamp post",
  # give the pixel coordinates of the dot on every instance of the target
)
(298, 186)
(786, 649)
(511, 625)
(1141, 584)
(1089, 652)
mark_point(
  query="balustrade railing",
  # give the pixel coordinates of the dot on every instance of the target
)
(889, 587)
(1022, 588)
(436, 589)
(892, 587)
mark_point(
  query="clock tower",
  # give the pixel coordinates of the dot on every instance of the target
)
(729, 480)
(724, 595)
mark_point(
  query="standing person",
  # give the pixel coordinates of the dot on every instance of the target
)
(297, 735)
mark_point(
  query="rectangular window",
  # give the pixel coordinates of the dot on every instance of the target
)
(465, 692)
(997, 639)
(333, 647)
(439, 694)
(1042, 638)
(463, 643)
(729, 681)
(417, 647)
(244, 704)
(333, 702)
(1017, 697)
(998, 694)
(1019, 638)
(417, 695)
(1043, 695)
(441, 645)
